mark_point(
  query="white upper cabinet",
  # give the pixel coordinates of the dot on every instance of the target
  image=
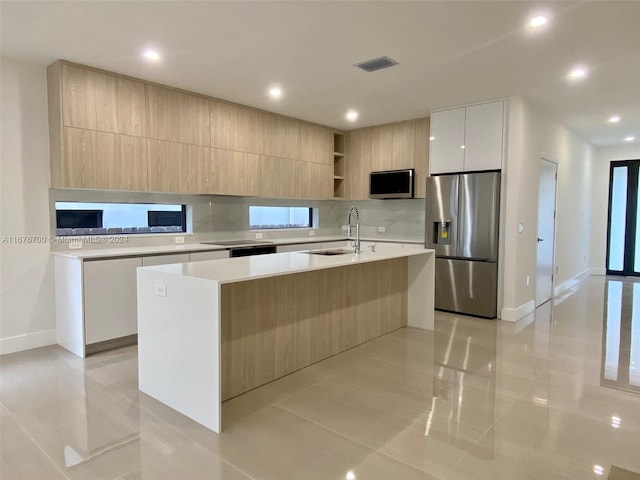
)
(445, 150)
(467, 139)
(483, 137)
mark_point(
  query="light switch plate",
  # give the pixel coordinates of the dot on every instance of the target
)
(161, 290)
(179, 240)
(344, 228)
(258, 236)
(382, 229)
(520, 227)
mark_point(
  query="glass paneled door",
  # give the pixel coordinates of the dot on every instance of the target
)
(623, 229)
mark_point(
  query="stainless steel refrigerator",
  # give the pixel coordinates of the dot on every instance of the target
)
(462, 219)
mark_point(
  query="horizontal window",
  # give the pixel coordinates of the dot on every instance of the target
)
(261, 218)
(79, 218)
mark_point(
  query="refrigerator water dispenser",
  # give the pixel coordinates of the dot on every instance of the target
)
(441, 231)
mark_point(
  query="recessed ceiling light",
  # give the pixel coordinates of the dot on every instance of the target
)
(614, 119)
(151, 55)
(538, 21)
(598, 469)
(350, 475)
(630, 138)
(577, 73)
(352, 115)
(275, 92)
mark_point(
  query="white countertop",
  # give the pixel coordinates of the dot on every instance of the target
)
(262, 266)
(97, 253)
(136, 251)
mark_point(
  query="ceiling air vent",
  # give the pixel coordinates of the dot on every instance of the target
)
(376, 64)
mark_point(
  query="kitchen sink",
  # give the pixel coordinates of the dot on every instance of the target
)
(329, 252)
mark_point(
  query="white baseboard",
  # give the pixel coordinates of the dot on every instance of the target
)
(597, 271)
(515, 314)
(27, 341)
(566, 285)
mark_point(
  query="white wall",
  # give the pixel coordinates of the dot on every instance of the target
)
(533, 133)
(600, 199)
(27, 309)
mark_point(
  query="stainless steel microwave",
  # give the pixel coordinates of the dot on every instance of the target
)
(392, 184)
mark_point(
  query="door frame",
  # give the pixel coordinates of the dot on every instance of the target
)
(630, 217)
(543, 157)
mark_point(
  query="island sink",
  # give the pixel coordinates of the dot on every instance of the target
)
(329, 252)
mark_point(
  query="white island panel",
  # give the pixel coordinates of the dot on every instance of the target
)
(179, 344)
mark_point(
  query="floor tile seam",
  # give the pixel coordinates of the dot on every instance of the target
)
(376, 450)
(378, 395)
(30, 437)
(303, 389)
(231, 464)
(493, 424)
(358, 442)
(333, 377)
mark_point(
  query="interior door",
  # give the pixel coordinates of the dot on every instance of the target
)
(546, 230)
(623, 242)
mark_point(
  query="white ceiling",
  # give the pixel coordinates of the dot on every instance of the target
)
(449, 53)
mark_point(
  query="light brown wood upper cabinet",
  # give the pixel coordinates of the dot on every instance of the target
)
(314, 180)
(394, 146)
(234, 173)
(316, 143)
(178, 116)
(103, 160)
(358, 164)
(108, 131)
(404, 145)
(178, 167)
(98, 101)
(234, 127)
(382, 148)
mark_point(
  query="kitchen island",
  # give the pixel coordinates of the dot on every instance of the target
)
(208, 331)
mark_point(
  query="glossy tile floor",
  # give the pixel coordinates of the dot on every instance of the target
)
(554, 396)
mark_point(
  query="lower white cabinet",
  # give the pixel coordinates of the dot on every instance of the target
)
(165, 259)
(299, 247)
(96, 300)
(110, 304)
(210, 255)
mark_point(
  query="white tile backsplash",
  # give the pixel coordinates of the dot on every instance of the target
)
(217, 217)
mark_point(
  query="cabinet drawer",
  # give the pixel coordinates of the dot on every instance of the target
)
(299, 247)
(213, 255)
(165, 259)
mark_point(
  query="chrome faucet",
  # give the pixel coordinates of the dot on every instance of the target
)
(356, 243)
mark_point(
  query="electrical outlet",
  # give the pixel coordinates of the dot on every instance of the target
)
(382, 229)
(179, 240)
(258, 236)
(312, 233)
(161, 290)
(75, 244)
(344, 228)
(528, 280)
